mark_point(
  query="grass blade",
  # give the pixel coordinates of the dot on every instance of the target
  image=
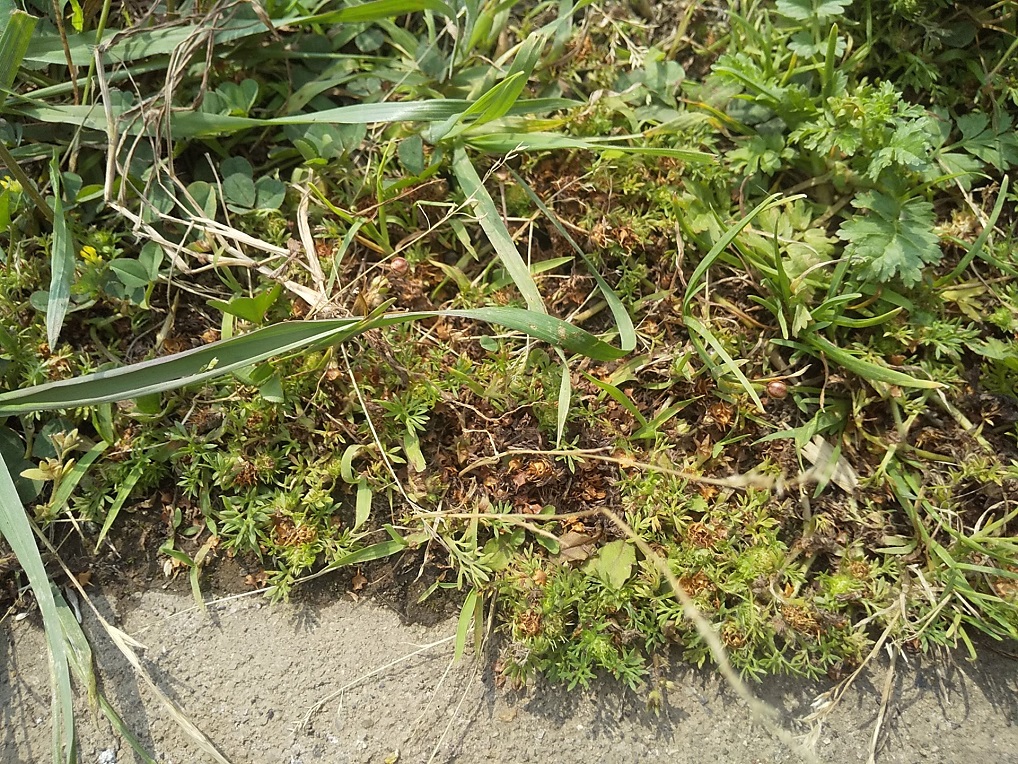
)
(504, 142)
(719, 247)
(867, 369)
(378, 9)
(17, 531)
(496, 231)
(197, 124)
(565, 394)
(363, 505)
(61, 264)
(729, 364)
(167, 373)
(467, 613)
(623, 321)
(203, 363)
(14, 42)
(122, 494)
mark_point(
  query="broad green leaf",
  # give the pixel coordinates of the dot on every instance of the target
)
(12, 452)
(613, 563)
(894, 238)
(251, 309)
(132, 274)
(817, 11)
(239, 190)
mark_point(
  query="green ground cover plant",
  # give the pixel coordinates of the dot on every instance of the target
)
(583, 309)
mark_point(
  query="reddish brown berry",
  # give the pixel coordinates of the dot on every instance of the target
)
(399, 266)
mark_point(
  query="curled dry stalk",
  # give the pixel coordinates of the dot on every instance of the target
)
(121, 148)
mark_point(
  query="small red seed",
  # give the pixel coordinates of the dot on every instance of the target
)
(399, 266)
(777, 389)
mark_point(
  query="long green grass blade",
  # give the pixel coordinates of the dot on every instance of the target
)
(463, 626)
(123, 492)
(496, 231)
(505, 140)
(215, 360)
(867, 369)
(695, 280)
(565, 395)
(46, 50)
(623, 321)
(17, 531)
(14, 42)
(161, 374)
(729, 363)
(191, 124)
(376, 10)
(497, 101)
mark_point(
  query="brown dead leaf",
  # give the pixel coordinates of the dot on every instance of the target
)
(575, 547)
(359, 581)
(256, 580)
(84, 578)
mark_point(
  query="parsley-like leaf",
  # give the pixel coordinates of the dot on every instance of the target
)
(994, 144)
(909, 146)
(805, 10)
(894, 238)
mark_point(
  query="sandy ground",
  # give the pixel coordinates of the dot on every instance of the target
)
(247, 673)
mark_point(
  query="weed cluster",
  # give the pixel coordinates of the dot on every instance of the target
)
(794, 221)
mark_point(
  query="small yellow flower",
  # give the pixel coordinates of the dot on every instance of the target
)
(90, 255)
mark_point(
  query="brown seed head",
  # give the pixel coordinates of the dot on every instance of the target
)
(777, 389)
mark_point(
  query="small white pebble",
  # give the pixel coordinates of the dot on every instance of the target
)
(109, 756)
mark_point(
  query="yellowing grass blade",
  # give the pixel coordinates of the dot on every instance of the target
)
(61, 264)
